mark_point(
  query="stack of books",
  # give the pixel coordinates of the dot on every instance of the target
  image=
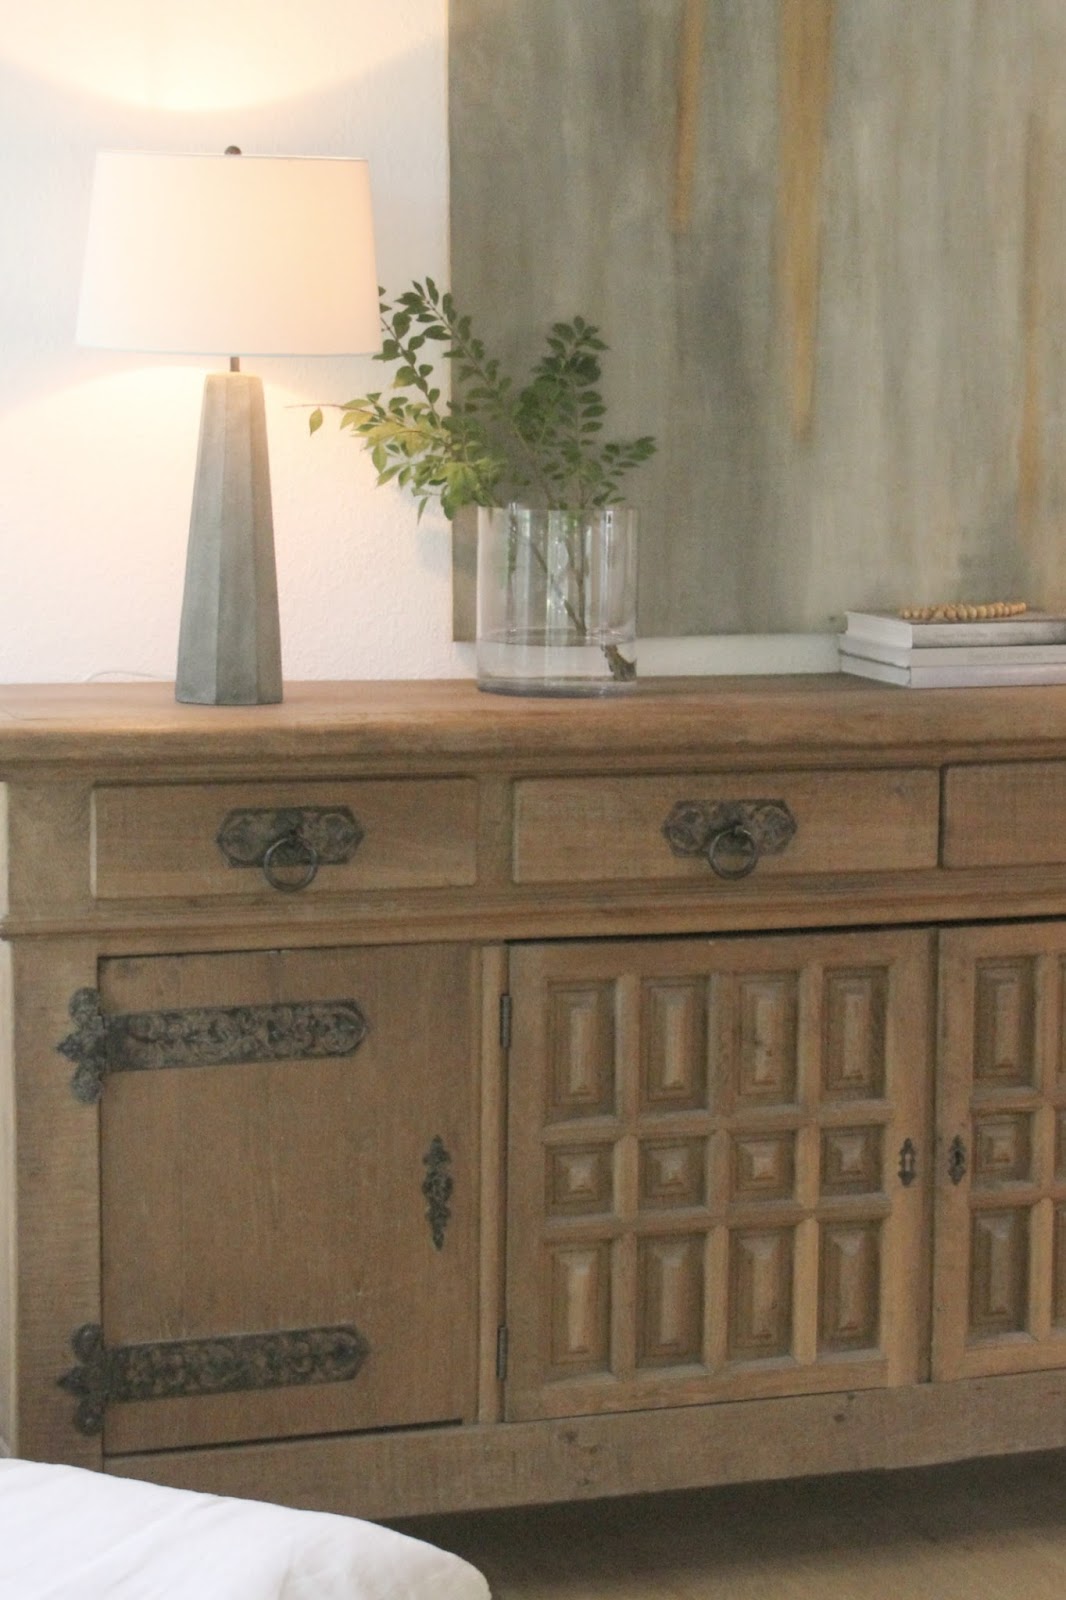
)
(1028, 648)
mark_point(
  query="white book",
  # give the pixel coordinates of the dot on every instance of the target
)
(1032, 627)
(899, 655)
(949, 677)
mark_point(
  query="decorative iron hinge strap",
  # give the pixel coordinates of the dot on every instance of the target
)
(185, 1367)
(203, 1036)
(437, 1188)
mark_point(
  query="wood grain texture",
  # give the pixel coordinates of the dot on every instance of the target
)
(56, 1247)
(254, 1198)
(117, 732)
(1003, 1094)
(588, 1458)
(706, 1131)
(48, 859)
(162, 841)
(673, 1237)
(492, 1143)
(584, 830)
(1004, 816)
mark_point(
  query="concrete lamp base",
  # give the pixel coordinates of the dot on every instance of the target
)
(229, 648)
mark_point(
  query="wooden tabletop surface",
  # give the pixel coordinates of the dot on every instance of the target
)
(426, 724)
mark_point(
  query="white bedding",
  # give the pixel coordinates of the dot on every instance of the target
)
(66, 1534)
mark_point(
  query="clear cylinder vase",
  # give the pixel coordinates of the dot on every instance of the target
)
(556, 600)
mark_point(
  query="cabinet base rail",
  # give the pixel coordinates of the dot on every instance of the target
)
(423, 1471)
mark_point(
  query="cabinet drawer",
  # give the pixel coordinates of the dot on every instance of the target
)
(1008, 815)
(602, 829)
(217, 839)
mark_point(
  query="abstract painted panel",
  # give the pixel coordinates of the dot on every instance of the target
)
(823, 240)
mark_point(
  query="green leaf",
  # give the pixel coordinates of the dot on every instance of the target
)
(315, 420)
(494, 439)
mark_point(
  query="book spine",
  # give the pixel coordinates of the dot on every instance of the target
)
(955, 655)
(895, 631)
(947, 677)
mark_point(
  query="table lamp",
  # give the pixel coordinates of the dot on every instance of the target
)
(232, 255)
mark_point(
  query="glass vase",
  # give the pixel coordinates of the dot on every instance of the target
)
(556, 600)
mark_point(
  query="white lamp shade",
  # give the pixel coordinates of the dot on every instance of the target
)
(231, 255)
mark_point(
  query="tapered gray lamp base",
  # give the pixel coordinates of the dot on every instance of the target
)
(229, 649)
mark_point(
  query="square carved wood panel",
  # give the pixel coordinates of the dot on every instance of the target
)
(704, 1168)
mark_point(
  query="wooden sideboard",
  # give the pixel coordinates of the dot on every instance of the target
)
(413, 1099)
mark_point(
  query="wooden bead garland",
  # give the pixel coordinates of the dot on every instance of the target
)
(964, 612)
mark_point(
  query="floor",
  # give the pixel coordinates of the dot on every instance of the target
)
(991, 1530)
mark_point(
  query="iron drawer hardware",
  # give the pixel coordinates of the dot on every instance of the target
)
(184, 1367)
(908, 1163)
(956, 1160)
(731, 834)
(437, 1188)
(203, 1036)
(290, 839)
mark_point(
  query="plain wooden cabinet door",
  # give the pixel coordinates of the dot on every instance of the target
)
(289, 1193)
(1000, 1274)
(718, 1164)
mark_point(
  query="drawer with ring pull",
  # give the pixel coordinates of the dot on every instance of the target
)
(723, 827)
(248, 839)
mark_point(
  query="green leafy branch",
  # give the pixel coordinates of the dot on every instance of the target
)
(491, 441)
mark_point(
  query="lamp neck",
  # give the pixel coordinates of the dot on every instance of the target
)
(235, 363)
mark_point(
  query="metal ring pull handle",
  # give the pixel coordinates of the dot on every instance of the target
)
(733, 840)
(732, 836)
(290, 850)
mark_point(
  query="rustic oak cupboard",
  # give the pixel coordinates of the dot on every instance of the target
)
(413, 1099)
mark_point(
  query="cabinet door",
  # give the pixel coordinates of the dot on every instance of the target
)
(288, 1193)
(717, 1164)
(1000, 1266)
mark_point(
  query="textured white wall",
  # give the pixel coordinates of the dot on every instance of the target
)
(97, 449)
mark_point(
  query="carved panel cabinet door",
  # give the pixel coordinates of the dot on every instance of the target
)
(288, 1194)
(717, 1169)
(1000, 1275)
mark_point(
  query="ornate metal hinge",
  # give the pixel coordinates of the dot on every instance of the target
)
(203, 1036)
(437, 1188)
(290, 843)
(185, 1367)
(731, 835)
